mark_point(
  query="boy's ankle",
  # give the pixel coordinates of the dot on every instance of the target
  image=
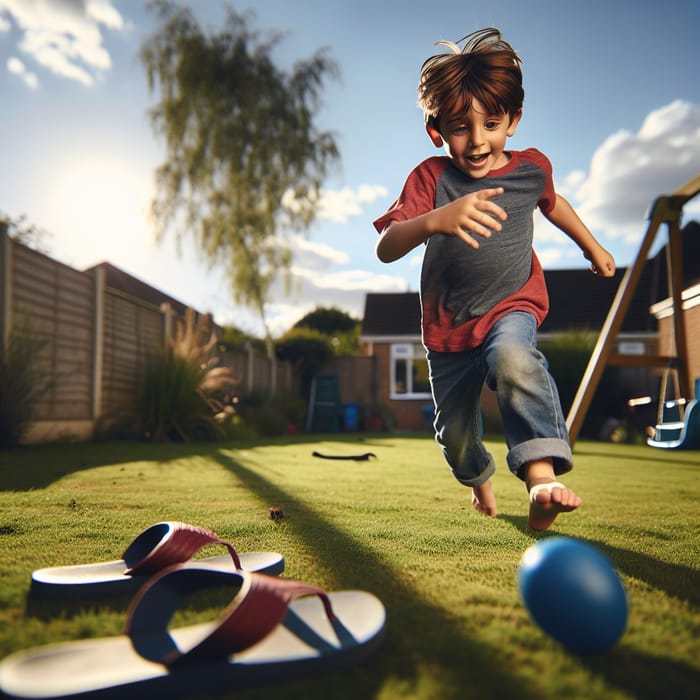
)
(538, 472)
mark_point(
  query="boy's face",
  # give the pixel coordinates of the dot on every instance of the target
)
(475, 140)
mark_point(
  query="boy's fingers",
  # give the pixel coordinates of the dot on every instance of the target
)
(500, 213)
(493, 208)
(491, 192)
(488, 222)
(464, 236)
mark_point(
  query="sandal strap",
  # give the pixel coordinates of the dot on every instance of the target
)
(546, 486)
(258, 606)
(167, 543)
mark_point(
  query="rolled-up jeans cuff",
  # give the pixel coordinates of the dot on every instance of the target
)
(559, 451)
(479, 478)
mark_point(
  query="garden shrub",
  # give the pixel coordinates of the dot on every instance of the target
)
(308, 350)
(264, 415)
(181, 394)
(21, 387)
(568, 356)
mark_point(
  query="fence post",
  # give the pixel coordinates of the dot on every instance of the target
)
(167, 312)
(287, 377)
(5, 284)
(98, 341)
(251, 368)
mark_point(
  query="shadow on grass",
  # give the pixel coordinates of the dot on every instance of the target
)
(419, 636)
(47, 609)
(647, 677)
(38, 466)
(678, 581)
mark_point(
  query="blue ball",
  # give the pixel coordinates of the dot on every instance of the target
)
(573, 593)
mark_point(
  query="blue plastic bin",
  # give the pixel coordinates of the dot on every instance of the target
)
(351, 415)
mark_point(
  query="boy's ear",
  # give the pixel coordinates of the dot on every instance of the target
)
(514, 121)
(434, 135)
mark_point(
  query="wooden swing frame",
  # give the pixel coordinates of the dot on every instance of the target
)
(666, 209)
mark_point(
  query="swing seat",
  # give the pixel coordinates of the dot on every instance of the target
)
(673, 433)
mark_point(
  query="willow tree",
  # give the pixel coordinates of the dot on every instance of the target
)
(244, 159)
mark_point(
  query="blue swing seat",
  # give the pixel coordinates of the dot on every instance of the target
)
(674, 433)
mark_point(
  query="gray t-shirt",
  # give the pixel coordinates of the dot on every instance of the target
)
(460, 285)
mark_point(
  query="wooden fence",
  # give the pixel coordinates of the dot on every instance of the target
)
(93, 341)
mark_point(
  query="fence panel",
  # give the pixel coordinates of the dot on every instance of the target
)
(356, 378)
(55, 304)
(133, 331)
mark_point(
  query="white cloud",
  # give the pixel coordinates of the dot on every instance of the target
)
(313, 255)
(629, 171)
(347, 280)
(341, 205)
(417, 259)
(545, 232)
(103, 12)
(550, 257)
(345, 290)
(315, 280)
(65, 36)
(16, 67)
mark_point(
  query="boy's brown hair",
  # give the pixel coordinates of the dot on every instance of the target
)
(486, 69)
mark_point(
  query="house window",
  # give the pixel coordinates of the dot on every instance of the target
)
(409, 372)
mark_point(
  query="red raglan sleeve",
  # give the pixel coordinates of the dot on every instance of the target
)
(548, 198)
(417, 196)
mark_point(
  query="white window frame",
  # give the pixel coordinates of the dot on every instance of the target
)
(408, 353)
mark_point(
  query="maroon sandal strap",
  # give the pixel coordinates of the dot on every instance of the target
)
(167, 543)
(258, 606)
(257, 609)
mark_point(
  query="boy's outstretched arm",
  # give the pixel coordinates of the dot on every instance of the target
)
(473, 214)
(565, 218)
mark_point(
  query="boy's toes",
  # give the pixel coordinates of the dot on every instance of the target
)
(484, 501)
(547, 500)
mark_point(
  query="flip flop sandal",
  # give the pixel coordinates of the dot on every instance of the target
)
(264, 634)
(154, 549)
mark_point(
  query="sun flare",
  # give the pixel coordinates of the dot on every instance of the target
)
(102, 207)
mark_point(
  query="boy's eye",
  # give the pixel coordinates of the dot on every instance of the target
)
(492, 124)
(461, 129)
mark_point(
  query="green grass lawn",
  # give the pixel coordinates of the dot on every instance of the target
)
(399, 526)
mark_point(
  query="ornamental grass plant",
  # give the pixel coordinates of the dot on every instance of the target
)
(398, 526)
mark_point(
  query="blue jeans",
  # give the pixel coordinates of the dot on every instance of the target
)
(511, 365)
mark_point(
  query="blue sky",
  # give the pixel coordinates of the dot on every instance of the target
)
(612, 96)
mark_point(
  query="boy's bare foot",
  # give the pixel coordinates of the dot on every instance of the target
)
(547, 500)
(484, 500)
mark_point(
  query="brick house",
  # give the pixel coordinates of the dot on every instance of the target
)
(578, 300)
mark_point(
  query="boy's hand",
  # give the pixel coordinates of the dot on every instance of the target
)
(472, 214)
(602, 263)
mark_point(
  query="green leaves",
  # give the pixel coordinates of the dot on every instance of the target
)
(182, 394)
(21, 386)
(240, 133)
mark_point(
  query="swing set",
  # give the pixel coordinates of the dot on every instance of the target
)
(678, 419)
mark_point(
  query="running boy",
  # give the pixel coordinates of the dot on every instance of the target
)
(483, 293)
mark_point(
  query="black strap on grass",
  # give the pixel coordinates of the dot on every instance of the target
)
(365, 457)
